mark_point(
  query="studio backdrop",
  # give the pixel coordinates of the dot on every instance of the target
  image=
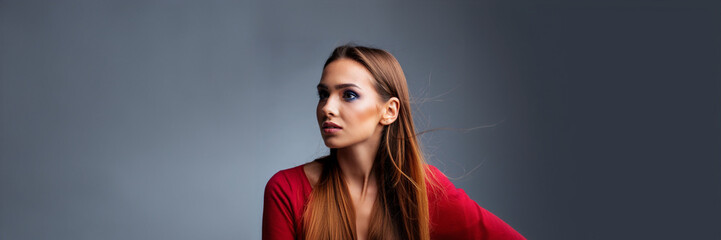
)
(165, 119)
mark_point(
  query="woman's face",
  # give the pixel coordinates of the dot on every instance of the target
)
(348, 99)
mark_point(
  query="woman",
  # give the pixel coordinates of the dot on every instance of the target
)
(375, 183)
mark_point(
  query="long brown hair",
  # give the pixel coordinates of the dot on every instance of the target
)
(401, 208)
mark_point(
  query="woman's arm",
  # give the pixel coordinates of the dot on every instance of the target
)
(278, 218)
(454, 215)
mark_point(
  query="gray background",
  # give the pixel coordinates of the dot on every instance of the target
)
(165, 119)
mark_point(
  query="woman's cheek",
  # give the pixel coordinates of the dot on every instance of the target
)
(368, 115)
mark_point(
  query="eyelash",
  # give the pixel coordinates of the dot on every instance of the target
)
(323, 94)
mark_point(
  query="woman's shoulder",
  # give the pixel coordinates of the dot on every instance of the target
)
(435, 177)
(454, 215)
(285, 195)
(289, 179)
(439, 187)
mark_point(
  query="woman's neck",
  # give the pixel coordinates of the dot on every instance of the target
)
(356, 164)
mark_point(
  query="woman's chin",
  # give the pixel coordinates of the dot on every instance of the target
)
(332, 144)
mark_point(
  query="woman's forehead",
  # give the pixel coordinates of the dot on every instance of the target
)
(344, 72)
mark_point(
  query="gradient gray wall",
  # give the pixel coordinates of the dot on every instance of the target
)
(165, 119)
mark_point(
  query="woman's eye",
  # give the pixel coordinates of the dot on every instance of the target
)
(350, 95)
(322, 94)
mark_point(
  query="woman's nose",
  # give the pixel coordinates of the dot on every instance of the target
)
(330, 107)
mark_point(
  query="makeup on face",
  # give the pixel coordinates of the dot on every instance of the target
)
(348, 94)
(347, 109)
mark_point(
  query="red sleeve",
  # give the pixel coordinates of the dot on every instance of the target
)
(456, 216)
(278, 218)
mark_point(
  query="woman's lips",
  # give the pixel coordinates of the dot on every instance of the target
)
(330, 130)
(330, 127)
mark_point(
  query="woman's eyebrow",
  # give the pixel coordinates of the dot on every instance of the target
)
(339, 86)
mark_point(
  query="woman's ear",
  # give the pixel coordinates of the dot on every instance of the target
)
(390, 111)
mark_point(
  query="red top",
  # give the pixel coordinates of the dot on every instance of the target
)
(455, 216)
